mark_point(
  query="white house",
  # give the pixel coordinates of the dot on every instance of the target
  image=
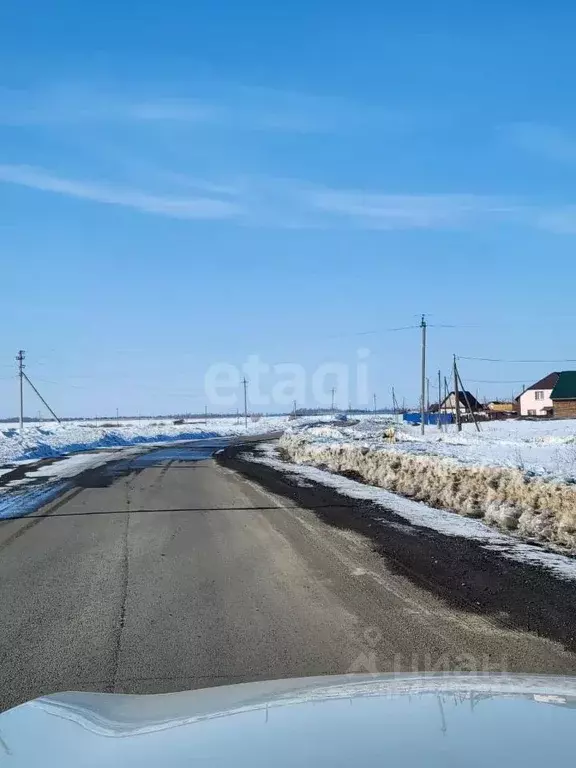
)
(536, 401)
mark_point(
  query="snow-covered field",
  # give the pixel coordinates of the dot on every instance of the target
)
(45, 440)
(518, 475)
(543, 448)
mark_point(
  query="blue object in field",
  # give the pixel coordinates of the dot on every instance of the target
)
(429, 418)
(341, 417)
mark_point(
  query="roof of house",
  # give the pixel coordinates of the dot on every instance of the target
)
(474, 404)
(548, 382)
(565, 388)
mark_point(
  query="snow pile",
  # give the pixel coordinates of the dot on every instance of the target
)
(505, 476)
(52, 440)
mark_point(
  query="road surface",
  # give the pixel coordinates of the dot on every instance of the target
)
(165, 573)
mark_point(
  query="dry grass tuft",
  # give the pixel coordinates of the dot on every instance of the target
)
(507, 498)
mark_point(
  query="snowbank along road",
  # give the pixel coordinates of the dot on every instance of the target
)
(173, 569)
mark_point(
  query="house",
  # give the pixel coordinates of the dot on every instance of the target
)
(564, 396)
(449, 403)
(536, 401)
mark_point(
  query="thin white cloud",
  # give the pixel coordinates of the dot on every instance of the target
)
(180, 110)
(546, 141)
(69, 106)
(234, 107)
(290, 204)
(175, 207)
(383, 211)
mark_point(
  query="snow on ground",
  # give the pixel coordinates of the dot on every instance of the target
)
(517, 475)
(47, 440)
(420, 514)
(542, 448)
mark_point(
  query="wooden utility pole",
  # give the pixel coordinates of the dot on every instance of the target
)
(245, 385)
(375, 409)
(457, 398)
(20, 359)
(468, 405)
(439, 399)
(423, 382)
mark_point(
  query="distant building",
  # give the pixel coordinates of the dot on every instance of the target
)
(502, 406)
(536, 400)
(564, 396)
(449, 403)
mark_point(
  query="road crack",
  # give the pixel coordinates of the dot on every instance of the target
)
(124, 578)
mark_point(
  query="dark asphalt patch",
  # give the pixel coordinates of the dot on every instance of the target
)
(25, 499)
(458, 570)
(106, 474)
(20, 471)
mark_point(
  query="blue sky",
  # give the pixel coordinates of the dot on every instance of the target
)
(184, 184)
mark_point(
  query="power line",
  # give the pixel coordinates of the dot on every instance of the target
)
(443, 325)
(369, 333)
(496, 381)
(501, 360)
(393, 330)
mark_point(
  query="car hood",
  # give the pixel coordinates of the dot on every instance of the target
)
(352, 720)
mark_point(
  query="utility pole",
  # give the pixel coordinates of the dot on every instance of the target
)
(439, 399)
(294, 411)
(423, 388)
(457, 397)
(20, 359)
(470, 409)
(245, 385)
(333, 393)
(375, 408)
(206, 413)
(117, 414)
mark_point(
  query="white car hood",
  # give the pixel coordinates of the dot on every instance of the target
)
(355, 720)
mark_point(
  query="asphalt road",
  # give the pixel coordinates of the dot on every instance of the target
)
(165, 573)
